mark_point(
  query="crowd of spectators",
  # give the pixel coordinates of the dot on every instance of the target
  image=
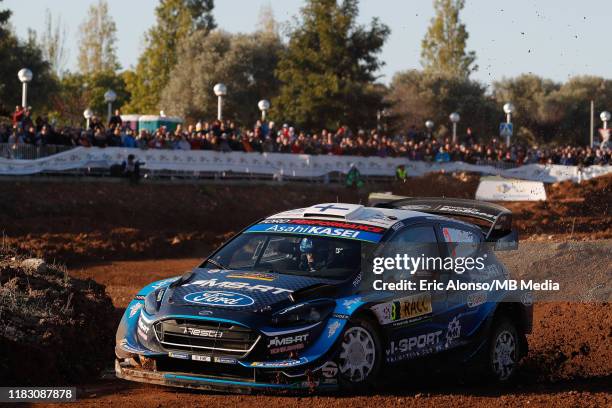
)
(225, 136)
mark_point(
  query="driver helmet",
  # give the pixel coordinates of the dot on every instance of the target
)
(306, 246)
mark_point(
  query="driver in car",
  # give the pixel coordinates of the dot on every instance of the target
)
(311, 258)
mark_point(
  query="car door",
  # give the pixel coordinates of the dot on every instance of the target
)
(461, 316)
(408, 316)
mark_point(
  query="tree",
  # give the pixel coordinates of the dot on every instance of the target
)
(97, 43)
(16, 54)
(528, 93)
(550, 112)
(443, 48)
(244, 63)
(417, 96)
(266, 23)
(329, 67)
(78, 91)
(53, 43)
(176, 20)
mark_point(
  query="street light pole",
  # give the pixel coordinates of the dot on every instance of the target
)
(25, 76)
(605, 118)
(109, 97)
(220, 90)
(87, 114)
(429, 125)
(508, 109)
(263, 106)
(454, 117)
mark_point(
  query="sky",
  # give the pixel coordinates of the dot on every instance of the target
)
(556, 39)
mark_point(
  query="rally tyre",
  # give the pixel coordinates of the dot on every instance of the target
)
(503, 351)
(360, 355)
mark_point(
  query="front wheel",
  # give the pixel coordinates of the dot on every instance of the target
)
(360, 356)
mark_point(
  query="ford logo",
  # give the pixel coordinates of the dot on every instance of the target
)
(218, 298)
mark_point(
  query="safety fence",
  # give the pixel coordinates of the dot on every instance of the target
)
(190, 164)
(22, 151)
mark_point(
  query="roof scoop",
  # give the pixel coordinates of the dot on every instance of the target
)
(332, 210)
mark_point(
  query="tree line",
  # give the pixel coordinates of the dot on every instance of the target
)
(319, 71)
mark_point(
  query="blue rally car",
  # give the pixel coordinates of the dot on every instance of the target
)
(291, 303)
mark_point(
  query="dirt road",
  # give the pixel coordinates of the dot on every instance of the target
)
(570, 362)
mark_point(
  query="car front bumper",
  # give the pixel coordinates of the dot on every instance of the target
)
(221, 383)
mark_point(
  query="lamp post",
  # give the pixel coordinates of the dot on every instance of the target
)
(109, 97)
(454, 117)
(87, 114)
(220, 90)
(605, 118)
(429, 125)
(25, 76)
(263, 106)
(508, 110)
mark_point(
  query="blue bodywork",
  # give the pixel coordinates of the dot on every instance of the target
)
(204, 307)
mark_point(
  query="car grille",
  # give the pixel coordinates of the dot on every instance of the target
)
(212, 338)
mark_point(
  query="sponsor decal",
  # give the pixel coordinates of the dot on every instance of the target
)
(340, 316)
(349, 303)
(203, 332)
(411, 308)
(329, 370)
(358, 279)
(219, 298)
(196, 357)
(182, 356)
(280, 363)
(397, 226)
(286, 349)
(285, 341)
(142, 326)
(476, 299)
(289, 343)
(160, 295)
(214, 283)
(139, 297)
(225, 360)
(332, 328)
(322, 223)
(413, 346)
(253, 275)
(453, 331)
(134, 309)
(163, 283)
(205, 312)
(322, 231)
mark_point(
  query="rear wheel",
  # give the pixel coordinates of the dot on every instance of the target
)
(360, 356)
(504, 350)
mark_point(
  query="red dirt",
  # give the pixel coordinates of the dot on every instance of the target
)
(96, 227)
(77, 222)
(569, 364)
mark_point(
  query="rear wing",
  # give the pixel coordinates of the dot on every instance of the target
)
(498, 218)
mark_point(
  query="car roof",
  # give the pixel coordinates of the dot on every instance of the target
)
(380, 217)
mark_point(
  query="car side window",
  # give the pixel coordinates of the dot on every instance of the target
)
(414, 242)
(461, 242)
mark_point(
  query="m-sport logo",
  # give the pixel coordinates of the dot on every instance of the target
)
(218, 298)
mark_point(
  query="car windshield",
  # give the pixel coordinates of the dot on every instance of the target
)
(322, 257)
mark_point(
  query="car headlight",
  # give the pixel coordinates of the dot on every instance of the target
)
(304, 313)
(153, 301)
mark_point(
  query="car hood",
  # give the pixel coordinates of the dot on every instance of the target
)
(240, 290)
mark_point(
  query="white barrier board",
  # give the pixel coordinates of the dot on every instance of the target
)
(280, 164)
(502, 189)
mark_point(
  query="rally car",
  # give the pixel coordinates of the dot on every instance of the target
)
(291, 302)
